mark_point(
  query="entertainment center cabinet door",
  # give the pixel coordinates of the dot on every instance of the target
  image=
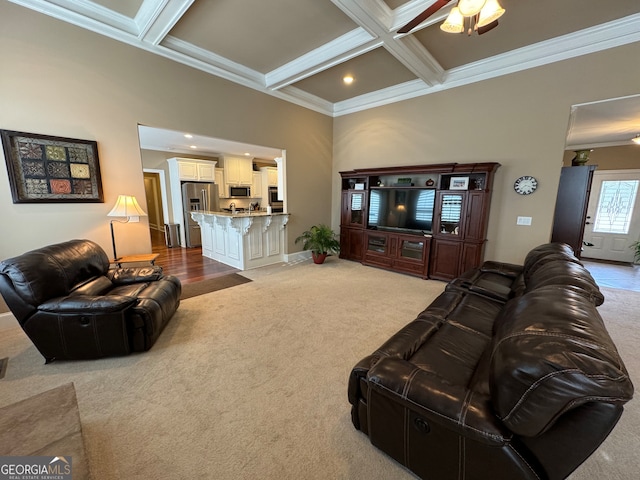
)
(476, 211)
(445, 259)
(351, 243)
(413, 255)
(472, 255)
(354, 204)
(379, 249)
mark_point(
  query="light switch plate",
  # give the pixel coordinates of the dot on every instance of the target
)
(523, 221)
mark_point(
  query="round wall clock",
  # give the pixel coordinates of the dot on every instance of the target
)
(525, 185)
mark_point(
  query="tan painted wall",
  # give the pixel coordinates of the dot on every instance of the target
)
(60, 80)
(519, 120)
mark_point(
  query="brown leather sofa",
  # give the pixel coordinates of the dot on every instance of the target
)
(509, 374)
(72, 306)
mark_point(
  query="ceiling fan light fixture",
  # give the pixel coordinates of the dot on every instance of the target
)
(454, 22)
(491, 11)
(468, 8)
(636, 139)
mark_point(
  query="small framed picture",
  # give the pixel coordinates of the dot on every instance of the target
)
(459, 183)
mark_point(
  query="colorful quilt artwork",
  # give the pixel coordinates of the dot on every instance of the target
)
(51, 169)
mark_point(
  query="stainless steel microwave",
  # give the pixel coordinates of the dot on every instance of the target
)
(239, 192)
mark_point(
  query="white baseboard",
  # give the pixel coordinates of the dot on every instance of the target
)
(298, 256)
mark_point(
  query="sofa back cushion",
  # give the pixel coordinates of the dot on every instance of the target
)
(547, 253)
(55, 270)
(562, 274)
(551, 353)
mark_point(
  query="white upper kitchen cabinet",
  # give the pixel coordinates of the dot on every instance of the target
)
(256, 188)
(238, 171)
(271, 175)
(190, 169)
(219, 176)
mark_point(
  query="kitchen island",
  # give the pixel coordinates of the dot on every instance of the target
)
(242, 240)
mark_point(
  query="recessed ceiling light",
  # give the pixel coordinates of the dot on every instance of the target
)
(347, 79)
(188, 135)
(247, 154)
(193, 146)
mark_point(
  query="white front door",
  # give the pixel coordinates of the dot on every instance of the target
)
(613, 216)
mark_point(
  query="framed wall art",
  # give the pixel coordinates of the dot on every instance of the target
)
(46, 169)
(459, 183)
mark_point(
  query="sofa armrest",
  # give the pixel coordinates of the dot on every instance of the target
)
(454, 407)
(87, 304)
(124, 276)
(357, 377)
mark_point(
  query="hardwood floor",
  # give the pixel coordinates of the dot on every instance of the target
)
(187, 264)
(614, 275)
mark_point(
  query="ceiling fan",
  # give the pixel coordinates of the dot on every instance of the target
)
(472, 15)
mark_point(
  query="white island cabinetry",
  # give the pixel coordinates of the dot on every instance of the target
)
(243, 241)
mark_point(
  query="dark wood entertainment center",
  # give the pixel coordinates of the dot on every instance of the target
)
(461, 195)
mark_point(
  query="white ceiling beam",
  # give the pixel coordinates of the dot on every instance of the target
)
(208, 61)
(343, 48)
(377, 18)
(85, 14)
(156, 18)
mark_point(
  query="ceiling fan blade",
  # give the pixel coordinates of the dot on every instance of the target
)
(423, 16)
(487, 27)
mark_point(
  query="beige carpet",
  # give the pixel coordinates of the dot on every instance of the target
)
(251, 382)
(47, 424)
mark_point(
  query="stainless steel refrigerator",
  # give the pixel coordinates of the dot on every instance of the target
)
(197, 196)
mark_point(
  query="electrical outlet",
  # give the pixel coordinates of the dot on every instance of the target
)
(523, 221)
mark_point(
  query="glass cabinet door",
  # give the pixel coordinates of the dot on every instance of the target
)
(411, 249)
(451, 213)
(376, 243)
(356, 208)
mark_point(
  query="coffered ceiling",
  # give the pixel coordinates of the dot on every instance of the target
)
(299, 50)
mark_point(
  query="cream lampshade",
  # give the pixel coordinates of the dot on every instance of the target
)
(126, 206)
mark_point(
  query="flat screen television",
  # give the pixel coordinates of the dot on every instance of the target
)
(402, 209)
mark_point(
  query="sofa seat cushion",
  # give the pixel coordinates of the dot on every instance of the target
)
(132, 290)
(93, 286)
(551, 353)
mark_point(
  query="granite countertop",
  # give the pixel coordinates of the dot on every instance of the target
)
(241, 214)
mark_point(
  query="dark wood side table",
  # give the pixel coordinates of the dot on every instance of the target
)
(141, 258)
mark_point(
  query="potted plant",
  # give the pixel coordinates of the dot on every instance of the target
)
(321, 240)
(636, 246)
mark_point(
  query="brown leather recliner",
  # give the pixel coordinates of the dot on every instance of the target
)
(72, 306)
(509, 374)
